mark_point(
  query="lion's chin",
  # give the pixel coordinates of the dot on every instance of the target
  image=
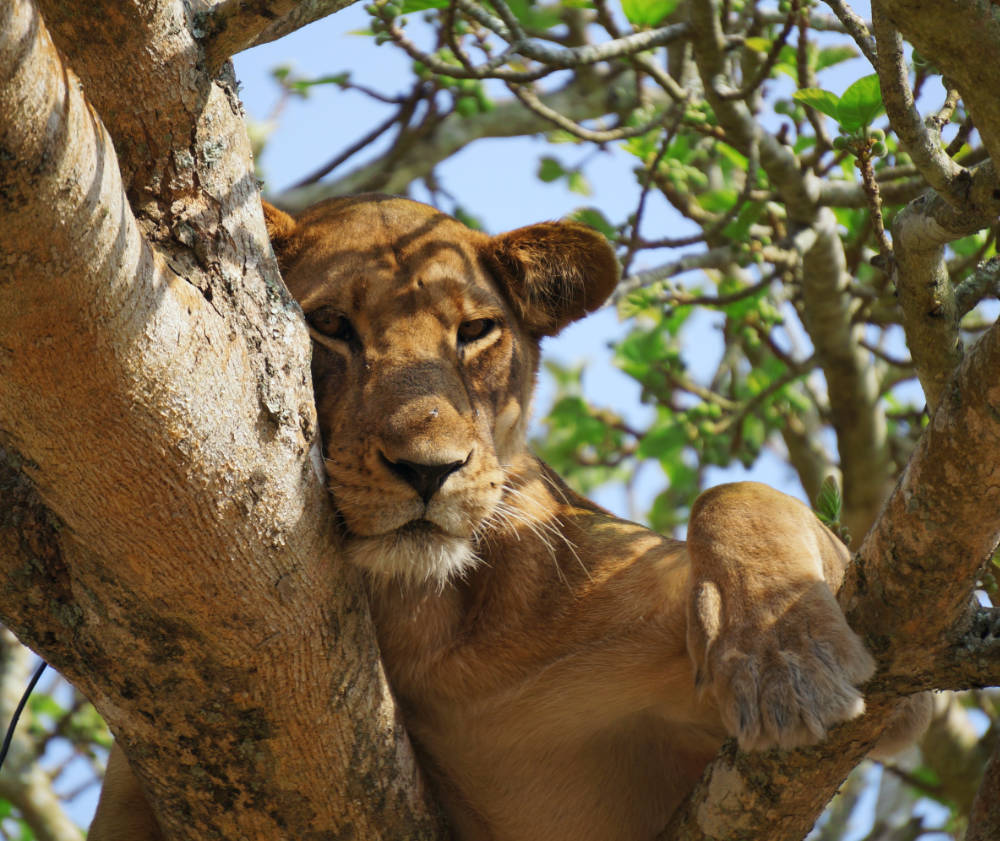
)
(418, 551)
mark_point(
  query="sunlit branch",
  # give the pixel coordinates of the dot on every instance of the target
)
(984, 282)
(231, 26)
(926, 296)
(923, 145)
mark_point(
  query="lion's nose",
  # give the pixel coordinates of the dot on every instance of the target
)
(425, 479)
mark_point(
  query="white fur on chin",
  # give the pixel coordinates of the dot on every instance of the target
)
(418, 556)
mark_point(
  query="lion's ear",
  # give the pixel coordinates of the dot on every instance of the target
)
(281, 230)
(553, 273)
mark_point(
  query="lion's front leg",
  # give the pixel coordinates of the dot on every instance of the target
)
(764, 630)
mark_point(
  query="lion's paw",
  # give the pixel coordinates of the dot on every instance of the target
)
(782, 676)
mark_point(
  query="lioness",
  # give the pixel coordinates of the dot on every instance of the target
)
(565, 675)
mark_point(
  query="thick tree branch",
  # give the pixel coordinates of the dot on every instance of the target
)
(231, 26)
(923, 145)
(963, 39)
(926, 297)
(165, 415)
(144, 48)
(856, 411)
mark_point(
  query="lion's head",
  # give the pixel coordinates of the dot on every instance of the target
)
(425, 346)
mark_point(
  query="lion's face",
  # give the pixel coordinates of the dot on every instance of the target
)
(425, 344)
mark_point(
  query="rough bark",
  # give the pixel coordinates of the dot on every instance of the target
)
(231, 26)
(166, 537)
(962, 38)
(927, 298)
(984, 822)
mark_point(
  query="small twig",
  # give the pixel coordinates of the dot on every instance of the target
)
(958, 266)
(402, 116)
(817, 22)
(531, 101)
(886, 357)
(944, 114)
(864, 164)
(794, 372)
(451, 37)
(960, 139)
(647, 182)
(914, 782)
(773, 55)
(713, 258)
(678, 298)
(641, 62)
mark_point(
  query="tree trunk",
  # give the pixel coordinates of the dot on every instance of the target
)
(166, 536)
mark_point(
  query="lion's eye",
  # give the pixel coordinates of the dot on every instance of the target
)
(477, 328)
(333, 324)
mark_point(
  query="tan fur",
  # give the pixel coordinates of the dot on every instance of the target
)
(565, 675)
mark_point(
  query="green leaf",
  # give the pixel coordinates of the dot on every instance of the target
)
(829, 56)
(758, 45)
(718, 201)
(578, 183)
(860, 104)
(45, 705)
(731, 156)
(534, 15)
(410, 6)
(467, 218)
(549, 170)
(821, 100)
(926, 776)
(739, 229)
(593, 218)
(829, 502)
(647, 12)
(663, 442)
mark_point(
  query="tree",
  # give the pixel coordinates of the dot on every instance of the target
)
(166, 542)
